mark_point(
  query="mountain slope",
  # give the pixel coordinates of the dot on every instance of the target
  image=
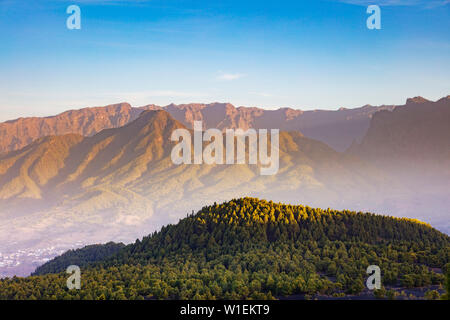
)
(412, 145)
(121, 182)
(250, 248)
(16, 134)
(24, 172)
(419, 130)
(336, 128)
(127, 157)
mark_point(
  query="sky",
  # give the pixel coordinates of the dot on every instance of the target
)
(300, 54)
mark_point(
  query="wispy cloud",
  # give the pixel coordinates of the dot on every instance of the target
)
(230, 76)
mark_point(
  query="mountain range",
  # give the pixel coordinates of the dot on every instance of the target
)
(336, 128)
(99, 174)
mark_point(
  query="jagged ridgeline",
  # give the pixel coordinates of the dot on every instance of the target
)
(249, 248)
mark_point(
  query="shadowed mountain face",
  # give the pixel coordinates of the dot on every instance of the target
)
(412, 145)
(410, 135)
(338, 128)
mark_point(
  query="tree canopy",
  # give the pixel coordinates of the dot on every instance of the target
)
(249, 249)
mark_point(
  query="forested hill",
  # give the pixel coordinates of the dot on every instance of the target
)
(80, 257)
(250, 248)
(249, 222)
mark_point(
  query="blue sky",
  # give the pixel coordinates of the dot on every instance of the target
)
(301, 54)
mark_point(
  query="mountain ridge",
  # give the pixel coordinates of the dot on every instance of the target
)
(418, 130)
(338, 128)
(121, 182)
(17, 133)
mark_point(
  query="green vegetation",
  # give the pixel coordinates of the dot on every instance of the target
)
(80, 257)
(446, 296)
(250, 249)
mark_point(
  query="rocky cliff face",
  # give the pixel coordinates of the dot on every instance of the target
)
(416, 132)
(16, 134)
(337, 128)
